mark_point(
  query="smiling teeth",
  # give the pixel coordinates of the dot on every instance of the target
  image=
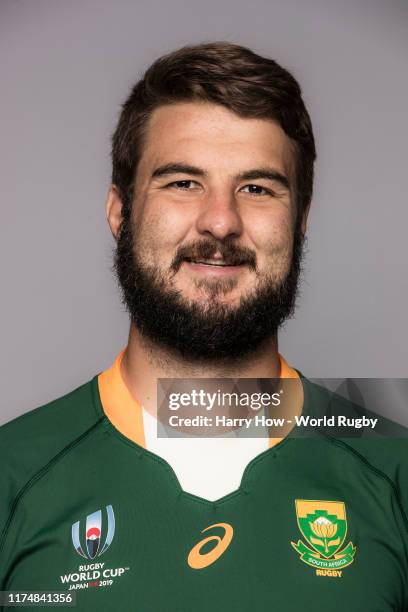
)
(211, 262)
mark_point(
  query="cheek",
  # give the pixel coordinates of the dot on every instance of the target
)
(160, 229)
(273, 235)
(274, 244)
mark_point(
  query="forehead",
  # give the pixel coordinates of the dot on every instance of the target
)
(212, 136)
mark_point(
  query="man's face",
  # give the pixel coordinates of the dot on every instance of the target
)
(212, 231)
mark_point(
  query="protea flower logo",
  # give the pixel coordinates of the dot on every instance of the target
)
(325, 530)
(93, 534)
(323, 524)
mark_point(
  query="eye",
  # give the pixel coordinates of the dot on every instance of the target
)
(185, 184)
(256, 190)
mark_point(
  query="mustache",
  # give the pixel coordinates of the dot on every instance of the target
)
(232, 254)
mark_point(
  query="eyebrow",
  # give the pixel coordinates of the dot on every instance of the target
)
(269, 174)
(176, 168)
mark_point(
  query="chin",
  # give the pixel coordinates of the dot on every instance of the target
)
(231, 299)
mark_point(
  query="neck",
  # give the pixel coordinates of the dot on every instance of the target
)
(144, 362)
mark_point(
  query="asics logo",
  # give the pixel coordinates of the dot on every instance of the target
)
(196, 560)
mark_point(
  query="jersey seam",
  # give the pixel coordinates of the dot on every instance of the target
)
(38, 475)
(377, 471)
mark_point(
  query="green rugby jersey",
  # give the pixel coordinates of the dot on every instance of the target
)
(317, 523)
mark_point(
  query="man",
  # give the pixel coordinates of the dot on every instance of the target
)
(212, 182)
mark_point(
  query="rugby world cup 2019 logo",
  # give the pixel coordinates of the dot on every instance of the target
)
(93, 534)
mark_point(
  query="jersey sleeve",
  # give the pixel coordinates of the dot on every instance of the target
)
(32, 440)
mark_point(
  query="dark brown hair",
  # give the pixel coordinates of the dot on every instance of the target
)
(222, 73)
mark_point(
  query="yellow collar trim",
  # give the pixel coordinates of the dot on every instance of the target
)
(125, 412)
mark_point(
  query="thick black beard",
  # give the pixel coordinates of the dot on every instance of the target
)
(210, 333)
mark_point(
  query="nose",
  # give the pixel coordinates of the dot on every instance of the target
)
(220, 216)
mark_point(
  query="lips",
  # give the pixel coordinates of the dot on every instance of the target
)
(218, 262)
(211, 262)
(213, 267)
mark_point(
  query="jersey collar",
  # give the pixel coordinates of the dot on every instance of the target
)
(125, 411)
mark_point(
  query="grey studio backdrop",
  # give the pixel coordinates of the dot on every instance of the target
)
(66, 66)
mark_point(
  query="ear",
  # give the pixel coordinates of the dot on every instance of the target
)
(114, 210)
(305, 215)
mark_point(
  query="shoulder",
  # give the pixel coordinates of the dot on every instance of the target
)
(47, 428)
(31, 441)
(380, 447)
